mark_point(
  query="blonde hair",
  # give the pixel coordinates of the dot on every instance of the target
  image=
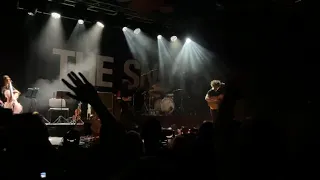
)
(5, 77)
(215, 83)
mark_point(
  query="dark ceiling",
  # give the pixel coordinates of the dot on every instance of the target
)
(273, 38)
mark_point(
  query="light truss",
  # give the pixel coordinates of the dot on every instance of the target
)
(109, 9)
(105, 8)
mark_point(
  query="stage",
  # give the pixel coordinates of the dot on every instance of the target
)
(59, 129)
(85, 141)
(178, 120)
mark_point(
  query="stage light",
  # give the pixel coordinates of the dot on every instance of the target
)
(173, 38)
(159, 36)
(124, 29)
(80, 21)
(100, 24)
(32, 10)
(55, 15)
(137, 31)
(188, 40)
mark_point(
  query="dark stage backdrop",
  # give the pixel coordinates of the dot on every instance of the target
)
(32, 61)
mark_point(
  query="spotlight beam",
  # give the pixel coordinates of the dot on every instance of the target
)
(80, 21)
(173, 38)
(137, 31)
(55, 15)
(100, 24)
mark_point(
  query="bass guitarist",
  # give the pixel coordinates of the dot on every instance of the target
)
(214, 98)
(10, 96)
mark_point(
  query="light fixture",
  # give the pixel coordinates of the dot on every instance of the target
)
(188, 40)
(55, 15)
(30, 13)
(173, 38)
(100, 24)
(80, 21)
(124, 29)
(159, 36)
(137, 31)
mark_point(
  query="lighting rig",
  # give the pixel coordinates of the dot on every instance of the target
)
(90, 6)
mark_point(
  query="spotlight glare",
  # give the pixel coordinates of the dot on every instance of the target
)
(30, 13)
(137, 31)
(124, 29)
(188, 40)
(55, 15)
(159, 36)
(100, 24)
(80, 21)
(173, 38)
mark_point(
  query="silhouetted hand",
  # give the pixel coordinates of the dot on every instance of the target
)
(83, 90)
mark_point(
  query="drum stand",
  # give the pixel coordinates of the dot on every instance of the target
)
(62, 119)
(146, 104)
(32, 95)
(181, 108)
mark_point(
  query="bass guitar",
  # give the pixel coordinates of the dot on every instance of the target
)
(214, 102)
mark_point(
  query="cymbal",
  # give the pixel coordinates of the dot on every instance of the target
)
(144, 74)
(155, 91)
(176, 90)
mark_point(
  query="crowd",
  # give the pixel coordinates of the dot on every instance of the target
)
(260, 148)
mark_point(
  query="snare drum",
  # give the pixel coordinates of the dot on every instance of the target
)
(167, 105)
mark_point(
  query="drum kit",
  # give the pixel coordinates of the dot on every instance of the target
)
(159, 101)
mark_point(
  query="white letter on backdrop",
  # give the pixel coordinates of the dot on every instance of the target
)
(132, 74)
(101, 71)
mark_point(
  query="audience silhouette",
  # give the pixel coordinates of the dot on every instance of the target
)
(262, 148)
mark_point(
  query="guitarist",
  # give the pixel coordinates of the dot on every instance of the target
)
(214, 97)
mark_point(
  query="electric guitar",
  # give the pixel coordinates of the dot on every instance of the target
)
(77, 113)
(214, 101)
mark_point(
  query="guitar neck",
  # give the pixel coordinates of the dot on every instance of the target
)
(11, 89)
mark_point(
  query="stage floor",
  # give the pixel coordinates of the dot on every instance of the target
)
(60, 129)
(56, 141)
(168, 121)
(84, 140)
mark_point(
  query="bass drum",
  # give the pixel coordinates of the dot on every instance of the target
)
(167, 105)
(157, 105)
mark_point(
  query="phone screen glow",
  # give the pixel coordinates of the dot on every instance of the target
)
(43, 175)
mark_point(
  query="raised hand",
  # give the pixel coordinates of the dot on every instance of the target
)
(83, 90)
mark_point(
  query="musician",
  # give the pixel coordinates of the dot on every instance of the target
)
(214, 97)
(6, 86)
(6, 94)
